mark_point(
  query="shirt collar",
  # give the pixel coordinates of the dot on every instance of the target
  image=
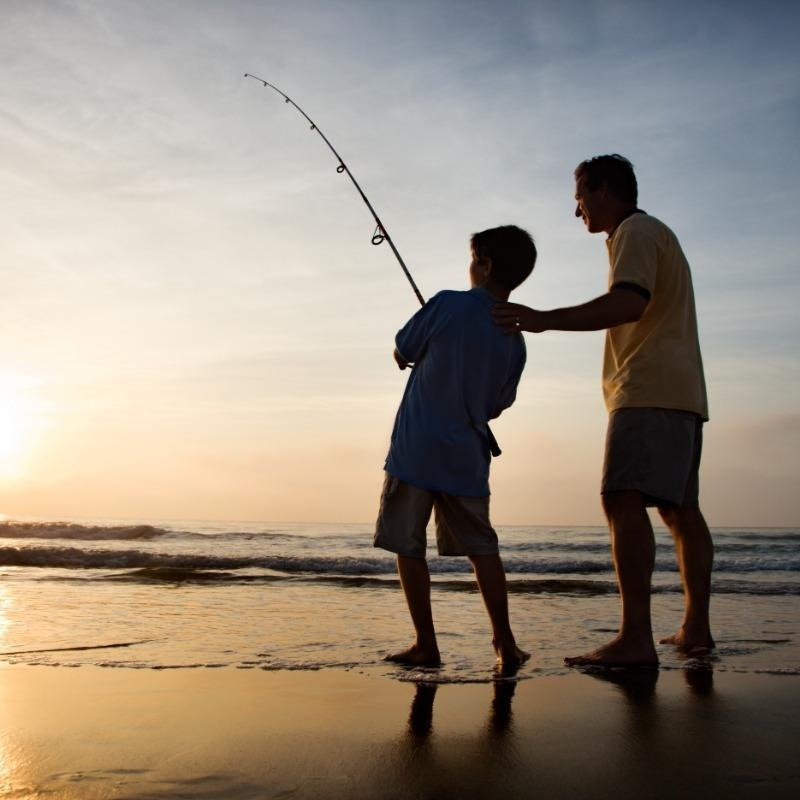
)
(623, 218)
(485, 295)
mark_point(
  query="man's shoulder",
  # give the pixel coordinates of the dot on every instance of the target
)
(644, 224)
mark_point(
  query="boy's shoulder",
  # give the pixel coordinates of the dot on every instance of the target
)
(453, 307)
(446, 295)
(444, 303)
(462, 298)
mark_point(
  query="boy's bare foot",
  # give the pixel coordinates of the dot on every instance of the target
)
(617, 653)
(416, 657)
(509, 655)
(689, 643)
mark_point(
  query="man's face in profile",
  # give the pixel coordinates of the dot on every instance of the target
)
(591, 205)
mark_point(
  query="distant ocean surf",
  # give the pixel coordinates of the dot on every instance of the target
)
(164, 595)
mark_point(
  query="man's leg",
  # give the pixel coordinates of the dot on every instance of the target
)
(491, 579)
(633, 550)
(416, 582)
(695, 553)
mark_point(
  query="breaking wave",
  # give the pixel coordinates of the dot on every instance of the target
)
(70, 530)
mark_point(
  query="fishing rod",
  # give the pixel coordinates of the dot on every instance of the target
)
(380, 233)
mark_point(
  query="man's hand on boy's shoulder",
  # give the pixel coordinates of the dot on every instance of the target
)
(515, 318)
(401, 362)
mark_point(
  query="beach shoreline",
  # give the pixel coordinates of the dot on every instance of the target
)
(93, 732)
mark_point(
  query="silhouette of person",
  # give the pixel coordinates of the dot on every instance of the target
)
(655, 393)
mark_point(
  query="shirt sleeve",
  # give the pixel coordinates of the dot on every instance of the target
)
(509, 391)
(634, 260)
(412, 339)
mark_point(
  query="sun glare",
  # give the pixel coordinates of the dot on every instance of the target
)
(18, 419)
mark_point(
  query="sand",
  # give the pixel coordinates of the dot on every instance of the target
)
(229, 733)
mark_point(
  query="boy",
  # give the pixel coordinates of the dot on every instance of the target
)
(465, 372)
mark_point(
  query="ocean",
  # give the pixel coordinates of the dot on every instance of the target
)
(181, 594)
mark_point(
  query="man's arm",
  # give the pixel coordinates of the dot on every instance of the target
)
(617, 307)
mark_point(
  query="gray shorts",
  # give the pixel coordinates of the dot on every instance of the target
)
(655, 451)
(462, 523)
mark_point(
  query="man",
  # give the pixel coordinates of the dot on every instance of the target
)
(655, 393)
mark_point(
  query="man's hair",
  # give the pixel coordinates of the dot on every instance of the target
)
(511, 250)
(615, 171)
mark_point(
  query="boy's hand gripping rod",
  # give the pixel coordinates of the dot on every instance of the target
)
(380, 232)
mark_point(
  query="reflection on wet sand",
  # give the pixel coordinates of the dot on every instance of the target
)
(420, 719)
(638, 727)
(639, 685)
(700, 680)
(500, 715)
(81, 735)
(430, 760)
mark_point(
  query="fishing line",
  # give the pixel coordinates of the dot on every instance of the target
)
(380, 235)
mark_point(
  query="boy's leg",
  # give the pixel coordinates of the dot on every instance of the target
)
(402, 519)
(491, 579)
(416, 582)
(463, 528)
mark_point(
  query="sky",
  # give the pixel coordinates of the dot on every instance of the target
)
(195, 325)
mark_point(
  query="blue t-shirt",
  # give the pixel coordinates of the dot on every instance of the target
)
(466, 371)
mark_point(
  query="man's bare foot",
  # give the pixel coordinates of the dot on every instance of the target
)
(509, 655)
(415, 656)
(689, 643)
(617, 653)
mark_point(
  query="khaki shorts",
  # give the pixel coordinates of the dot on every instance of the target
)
(462, 523)
(655, 451)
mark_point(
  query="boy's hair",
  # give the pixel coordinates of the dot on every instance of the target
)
(511, 250)
(615, 171)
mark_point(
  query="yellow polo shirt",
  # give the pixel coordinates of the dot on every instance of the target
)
(656, 361)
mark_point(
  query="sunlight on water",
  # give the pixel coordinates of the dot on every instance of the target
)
(150, 595)
(6, 766)
(5, 604)
(5, 770)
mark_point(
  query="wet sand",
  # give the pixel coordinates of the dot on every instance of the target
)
(120, 733)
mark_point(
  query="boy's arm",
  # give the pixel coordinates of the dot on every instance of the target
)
(399, 360)
(412, 339)
(509, 392)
